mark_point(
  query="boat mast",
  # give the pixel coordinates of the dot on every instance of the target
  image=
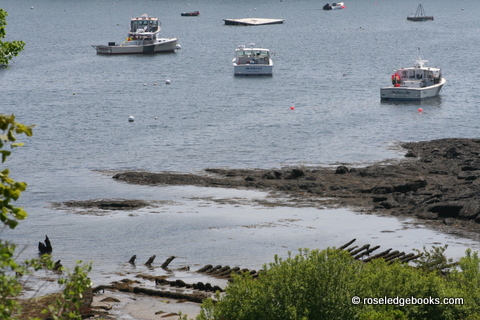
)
(420, 11)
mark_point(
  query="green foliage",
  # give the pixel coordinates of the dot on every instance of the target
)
(380, 279)
(467, 278)
(8, 49)
(383, 315)
(434, 259)
(70, 302)
(10, 190)
(9, 285)
(322, 284)
(310, 285)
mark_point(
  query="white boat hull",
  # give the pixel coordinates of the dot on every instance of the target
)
(253, 69)
(404, 93)
(161, 45)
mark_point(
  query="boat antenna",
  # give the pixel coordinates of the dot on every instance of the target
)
(419, 63)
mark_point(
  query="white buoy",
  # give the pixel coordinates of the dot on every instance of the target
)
(144, 84)
(167, 81)
(131, 119)
(178, 47)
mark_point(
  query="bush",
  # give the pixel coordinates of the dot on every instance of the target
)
(322, 285)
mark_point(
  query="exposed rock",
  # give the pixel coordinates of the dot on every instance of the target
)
(341, 170)
(295, 174)
(389, 204)
(108, 204)
(271, 175)
(470, 210)
(446, 209)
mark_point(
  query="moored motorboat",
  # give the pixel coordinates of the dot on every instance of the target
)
(252, 61)
(143, 37)
(414, 83)
(334, 6)
(190, 14)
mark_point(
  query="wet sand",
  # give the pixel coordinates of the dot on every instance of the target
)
(121, 305)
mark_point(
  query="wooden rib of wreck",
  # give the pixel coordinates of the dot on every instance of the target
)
(167, 262)
(150, 261)
(358, 253)
(45, 248)
(132, 259)
(225, 272)
(208, 287)
(388, 255)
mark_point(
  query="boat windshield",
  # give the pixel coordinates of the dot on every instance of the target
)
(144, 25)
(419, 73)
(253, 53)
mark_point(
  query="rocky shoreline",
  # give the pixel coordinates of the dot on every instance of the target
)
(438, 182)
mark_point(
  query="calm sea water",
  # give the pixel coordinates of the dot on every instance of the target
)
(328, 65)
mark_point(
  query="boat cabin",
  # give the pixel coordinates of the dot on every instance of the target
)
(419, 76)
(252, 55)
(144, 24)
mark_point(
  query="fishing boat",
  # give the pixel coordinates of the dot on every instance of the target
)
(143, 37)
(252, 61)
(334, 6)
(190, 14)
(414, 83)
(420, 15)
